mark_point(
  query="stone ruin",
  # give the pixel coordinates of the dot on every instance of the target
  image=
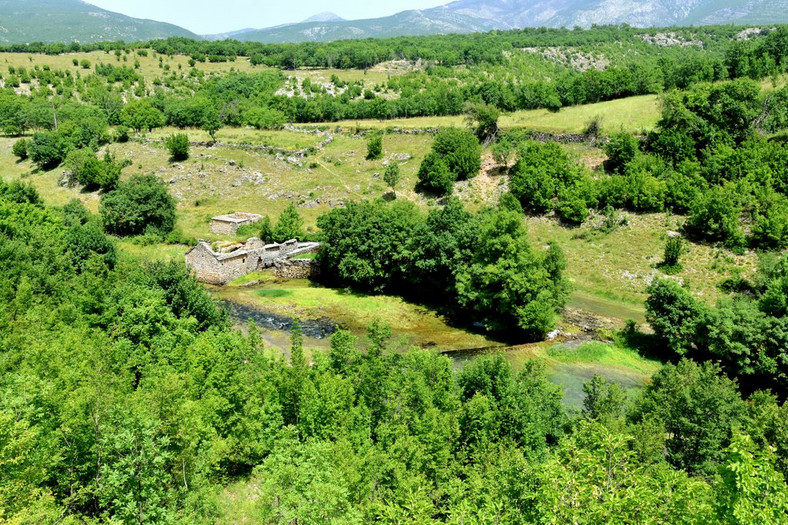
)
(222, 263)
(229, 224)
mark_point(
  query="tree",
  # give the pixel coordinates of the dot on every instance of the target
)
(178, 146)
(483, 122)
(460, 150)
(266, 230)
(674, 248)
(48, 149)
(391, 176)
(604, 400)
(541, 173)
(699, 407)
(289, 226)
(751, 489)
(89, 242)
(434, 175)
(506, 284)
(620, 151)
(715, 216)
(141, 205)
(375, 146)
(140, 115)
(367, 244)
(673, 315)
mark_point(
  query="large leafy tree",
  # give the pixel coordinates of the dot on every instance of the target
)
(508, 285)
(140, 205)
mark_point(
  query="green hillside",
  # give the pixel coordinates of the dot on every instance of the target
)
(23, 21)
(412, 23)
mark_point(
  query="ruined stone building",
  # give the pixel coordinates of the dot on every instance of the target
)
(221, 264)
(229, 224)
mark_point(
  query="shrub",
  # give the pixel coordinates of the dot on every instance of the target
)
(141, 205)
(434, 175)
(20, 148)
(122, 134)
(621, 150)
(375, 146)
(715, 216)
(461, 152)
(674, 247)
(391, 176)
(178, 146)
(87, 243)
(75, 213)
(572, 207)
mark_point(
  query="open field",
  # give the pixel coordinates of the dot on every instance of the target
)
(634, 115)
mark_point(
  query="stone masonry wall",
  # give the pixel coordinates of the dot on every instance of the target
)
(297, 269)
(223, 228)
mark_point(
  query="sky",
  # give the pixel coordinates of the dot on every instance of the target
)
(221, 16)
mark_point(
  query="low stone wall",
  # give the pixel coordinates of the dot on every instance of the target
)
(297, 269)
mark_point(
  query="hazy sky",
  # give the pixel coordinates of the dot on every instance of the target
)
(220, 16)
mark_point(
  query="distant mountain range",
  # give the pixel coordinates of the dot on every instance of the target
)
(74, 20)
(23, 21)
(465, 16)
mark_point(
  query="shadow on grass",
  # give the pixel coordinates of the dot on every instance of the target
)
(646, 345)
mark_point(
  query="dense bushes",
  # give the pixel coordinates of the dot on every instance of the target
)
(745, 332)
(482, 262)
(162, 402)
(455, 155)
(141, 205)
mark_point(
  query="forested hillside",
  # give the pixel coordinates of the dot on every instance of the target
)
(69, 21)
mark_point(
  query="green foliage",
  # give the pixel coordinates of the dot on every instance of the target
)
(87, 244)
(752, 491)
(178, 146)
(483, 121)
(48, 150)
(289, 226)
(715, 216)
(542, 172)
(366, 243)
(266, 230)
(604, 400)
(21, 148)
(20, 192)
(434, 175)
(460, 151)
(84, 168)
(140, 205)
(75, 213)
(392, 176)
(674, 315)
(674, 248)
(620, 151)
(505, 283)
(699, 407)
(375, 146)
(140, 115)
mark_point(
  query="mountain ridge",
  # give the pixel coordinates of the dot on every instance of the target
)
(465, 16)
(23, 21)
